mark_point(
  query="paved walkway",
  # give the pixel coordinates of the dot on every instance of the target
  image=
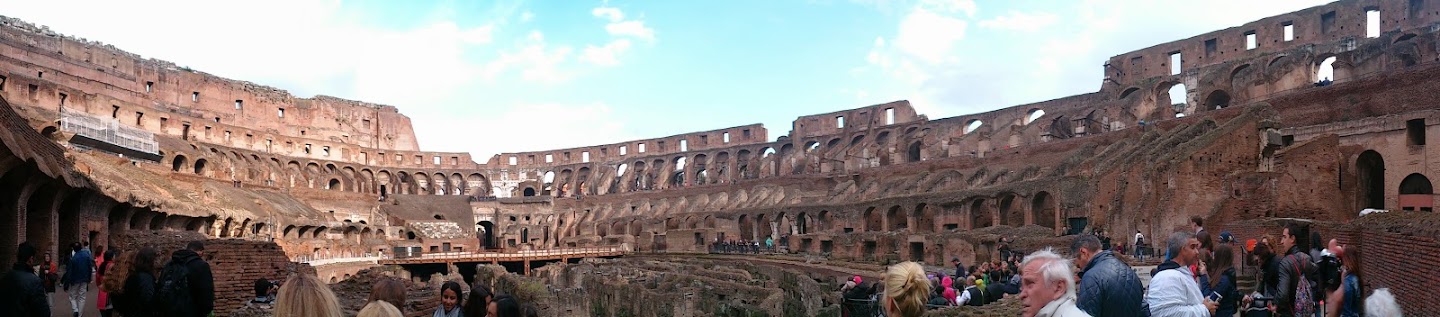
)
(60, 302)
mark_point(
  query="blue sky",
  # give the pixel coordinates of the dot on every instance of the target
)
(504, 76)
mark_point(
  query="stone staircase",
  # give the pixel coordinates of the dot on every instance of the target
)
(1245, 283)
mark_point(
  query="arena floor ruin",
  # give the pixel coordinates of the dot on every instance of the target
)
(104, 146)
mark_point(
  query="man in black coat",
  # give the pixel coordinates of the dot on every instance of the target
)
(1108, 287)
(200, 280)
(21, 291)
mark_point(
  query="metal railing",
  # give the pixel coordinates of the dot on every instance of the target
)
(109, 131)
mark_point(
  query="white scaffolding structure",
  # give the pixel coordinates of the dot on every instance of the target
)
(108, 130)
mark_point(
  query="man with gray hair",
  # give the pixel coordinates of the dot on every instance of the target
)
(1173, 290)
(1382, 303)
(1047, 286)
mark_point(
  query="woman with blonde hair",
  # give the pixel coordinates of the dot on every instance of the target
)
(906, 290)
(305, 296)
(379, 308)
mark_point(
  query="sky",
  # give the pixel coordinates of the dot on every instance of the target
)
(487, 77)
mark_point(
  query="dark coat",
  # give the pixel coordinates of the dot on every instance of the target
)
(138, 298)
(1291, 268)
(1230, 300)
(1109, 287)
(22, 294)
(202, 282)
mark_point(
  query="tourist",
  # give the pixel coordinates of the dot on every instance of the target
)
(379, 308)
(450, 300)
(390, 290)
(906, 290)
(265, 291)
(959, 268)
(947, 285)
(504, 305)
(198, 282)
(21, 291)
(102, 298)
(137, 291)
(77, 277)
(972, 295)
(1173, 290)
(1108, 286)
(1294, 270)
(1345, 301)
(49, 278)
(1382, 303)
(1048, 286)
(478, 302)
(304, 295)
(1139, 244)
(1217, 281)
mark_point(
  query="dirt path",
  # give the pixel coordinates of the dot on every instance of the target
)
(874, 273)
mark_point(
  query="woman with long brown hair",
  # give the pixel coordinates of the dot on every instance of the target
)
(137, 270)
(1217, 280)
(1346, 301)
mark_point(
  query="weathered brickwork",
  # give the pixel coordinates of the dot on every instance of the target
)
(1256, 137)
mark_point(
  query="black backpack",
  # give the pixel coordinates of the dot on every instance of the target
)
(172, 293)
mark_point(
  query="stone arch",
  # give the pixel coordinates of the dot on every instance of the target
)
(1008, 214)
(822, 222)
(873, 221)
(1216, 100)
(285, 233)
(1417, 193)
(924, 218)
(1043, 210)
(1033, 114)
(200, 167)
(1370, 169)
(896, 218)
(334, 184)
(225, 227)
(1171, 96)
(480, 186)
(177, 163)
(980, 214)
(914, 152)
(1128, 92)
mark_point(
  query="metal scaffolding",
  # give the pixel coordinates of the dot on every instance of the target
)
(108, 130)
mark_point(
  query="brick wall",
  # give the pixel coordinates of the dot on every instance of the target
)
(236, 265)
(1401, 250)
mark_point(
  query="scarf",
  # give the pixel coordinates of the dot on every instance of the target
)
(440, 312)
(1054, 306)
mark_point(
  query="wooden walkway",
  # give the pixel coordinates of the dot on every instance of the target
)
(564, 254)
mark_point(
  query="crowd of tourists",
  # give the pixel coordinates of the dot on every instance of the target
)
(1197, 279)
(134, 284)
(129, 283)
(745, 246)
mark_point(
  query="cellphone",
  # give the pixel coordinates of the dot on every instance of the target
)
(1215, 296)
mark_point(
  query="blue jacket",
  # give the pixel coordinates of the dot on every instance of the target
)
(1230, 300)
(1109, 287)
(81, 266)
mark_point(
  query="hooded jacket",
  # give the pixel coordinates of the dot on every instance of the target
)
(1109, 287)
(22, 293)
(202, 283)
(80, 268)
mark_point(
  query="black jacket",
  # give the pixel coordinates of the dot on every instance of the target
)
(138, 299)
(1108, 287)
(1291, 268)
(22, 293)
(202, 283)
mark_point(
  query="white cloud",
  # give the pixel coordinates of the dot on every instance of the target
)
(619, 26)
(970, 70)
(632, 28)
(1021, 21)
(929, 35)
(605, 55)
(609, 13)
(585, 124)
(527, 16)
